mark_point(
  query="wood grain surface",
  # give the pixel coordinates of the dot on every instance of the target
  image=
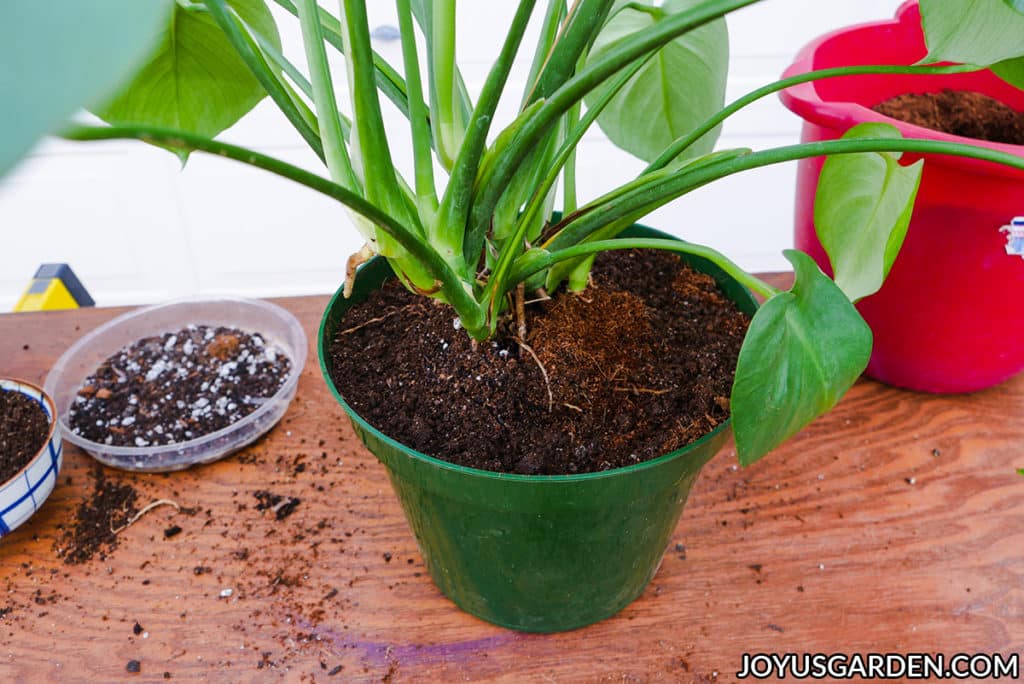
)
(894, 524)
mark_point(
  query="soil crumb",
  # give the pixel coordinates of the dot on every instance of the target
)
(109, 507)
(638, 365)
(958, 112)
(280, 506)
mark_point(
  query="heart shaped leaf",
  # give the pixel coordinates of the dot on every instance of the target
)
(679, 88)
(862, 211)
(195, 81)
(803, 350)
(59, 57)
(981, 32)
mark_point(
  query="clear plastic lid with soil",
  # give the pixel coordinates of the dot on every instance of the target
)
(169, 386)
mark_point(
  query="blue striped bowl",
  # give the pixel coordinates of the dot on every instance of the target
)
(23, 494)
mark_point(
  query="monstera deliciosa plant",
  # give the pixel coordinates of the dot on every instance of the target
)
(474, 225)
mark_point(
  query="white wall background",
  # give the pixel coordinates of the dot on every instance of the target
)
(136, 229)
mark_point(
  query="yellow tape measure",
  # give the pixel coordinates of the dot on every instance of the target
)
(54, 286)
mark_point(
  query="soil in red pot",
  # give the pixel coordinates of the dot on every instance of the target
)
(638, 365)
(23, 430)
(958, 112)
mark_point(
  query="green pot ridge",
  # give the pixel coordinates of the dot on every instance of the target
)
(535, 553)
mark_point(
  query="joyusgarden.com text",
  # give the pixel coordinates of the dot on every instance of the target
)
(881, 666)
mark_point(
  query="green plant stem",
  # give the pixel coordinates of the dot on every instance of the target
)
(655, 13)
(452, 287)
(569, 175)
(646, 197)
(575, 135)
(578, 32)
(249, 52)
(548, 33)
(338, 162)
(274, 55)
(379, 175)
(620, 55)
(681, 144)
(419, 118)
(578, 272)
(447, 120)
(555, 237)
(277, 58)
(388, 80)
(454, 211)
(496, 286)
(422, 11)
(538, 264)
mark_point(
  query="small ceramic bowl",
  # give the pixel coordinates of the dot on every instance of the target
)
(23, 494)
(272, 322)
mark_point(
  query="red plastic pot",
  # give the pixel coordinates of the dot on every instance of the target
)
(947, 319)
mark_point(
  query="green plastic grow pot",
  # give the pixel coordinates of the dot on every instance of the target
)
(535, 553)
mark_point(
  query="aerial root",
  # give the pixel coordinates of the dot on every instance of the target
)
(543, 371)
(386, 316)
(144, 511)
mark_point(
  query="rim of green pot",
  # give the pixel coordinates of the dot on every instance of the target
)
(490, 474)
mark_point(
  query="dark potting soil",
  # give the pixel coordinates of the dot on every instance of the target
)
(638, 365)
(958, 112)
(280, 506)
(178, 386)
(23, 430)
(109, 507)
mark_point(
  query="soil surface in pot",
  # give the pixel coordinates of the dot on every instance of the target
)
(23, 430)
(178, 386)
(638, 365)
(958, 112)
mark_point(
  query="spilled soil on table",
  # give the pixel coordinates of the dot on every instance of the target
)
(958, 112)
(108, 508)
(638, 365)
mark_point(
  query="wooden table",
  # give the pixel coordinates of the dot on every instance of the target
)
(894, 524)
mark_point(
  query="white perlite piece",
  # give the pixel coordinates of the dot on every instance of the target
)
(159, 367)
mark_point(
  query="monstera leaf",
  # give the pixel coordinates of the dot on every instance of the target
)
(803, 350)
(982, 32)
(862, 210)
(194, 81)
(60, 56)
(676, 90)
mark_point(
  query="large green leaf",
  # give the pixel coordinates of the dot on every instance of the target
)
(980, 32)
(194, 81)
(803, 350)
(1011, 71)
(862, 210)
(679, 88)
(60, 56)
